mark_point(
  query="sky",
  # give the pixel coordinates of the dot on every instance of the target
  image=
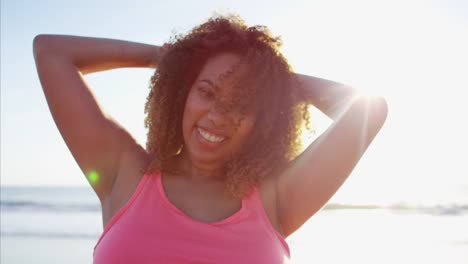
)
(411, 52)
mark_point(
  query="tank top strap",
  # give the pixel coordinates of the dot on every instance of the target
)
(141, 187)
(255, 206)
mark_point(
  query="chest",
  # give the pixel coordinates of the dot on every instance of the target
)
(200, 204)
(172, 243)
(153, 233)
(204, 203)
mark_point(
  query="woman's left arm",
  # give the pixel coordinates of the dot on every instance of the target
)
(331, 98)
(312, 178)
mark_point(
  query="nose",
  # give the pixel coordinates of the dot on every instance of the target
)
(218, 115)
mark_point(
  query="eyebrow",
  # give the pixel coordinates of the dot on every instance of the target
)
(208, 81)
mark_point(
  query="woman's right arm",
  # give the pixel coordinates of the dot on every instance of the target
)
(95, 140)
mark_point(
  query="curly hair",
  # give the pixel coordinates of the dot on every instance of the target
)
(268, 84)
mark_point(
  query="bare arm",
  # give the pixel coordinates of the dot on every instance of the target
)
(331, 98)
(310, 180)
(95, 140)
(96, 54)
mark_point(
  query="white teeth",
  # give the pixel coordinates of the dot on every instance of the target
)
(210, 137)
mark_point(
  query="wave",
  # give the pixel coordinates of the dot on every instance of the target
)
(51, 235)
(44, 206)
(440, 209)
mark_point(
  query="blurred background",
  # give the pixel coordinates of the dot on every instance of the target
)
(407, 199)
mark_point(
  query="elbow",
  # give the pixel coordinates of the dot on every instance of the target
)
(373, 111)
(377, 106)
(380, 107)
(38, 45)
(41, 44)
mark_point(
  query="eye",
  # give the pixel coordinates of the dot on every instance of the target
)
(206, 92)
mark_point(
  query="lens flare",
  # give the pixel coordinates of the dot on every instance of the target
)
(93, 177)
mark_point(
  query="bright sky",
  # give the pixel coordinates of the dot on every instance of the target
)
(411, 52)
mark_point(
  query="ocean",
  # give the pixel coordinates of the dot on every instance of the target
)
(62, 225)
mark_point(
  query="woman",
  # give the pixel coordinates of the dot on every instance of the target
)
(221, 179)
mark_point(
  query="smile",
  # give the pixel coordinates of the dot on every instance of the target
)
(209, 136)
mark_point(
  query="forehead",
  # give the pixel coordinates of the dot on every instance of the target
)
(220, 66)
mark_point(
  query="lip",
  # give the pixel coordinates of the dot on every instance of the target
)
(215, 132)
(208, 144)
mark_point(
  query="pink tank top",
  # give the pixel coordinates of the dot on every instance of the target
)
(150, 229)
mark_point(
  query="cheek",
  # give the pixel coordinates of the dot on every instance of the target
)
(246, 128)
(193, 108)
(189, 116)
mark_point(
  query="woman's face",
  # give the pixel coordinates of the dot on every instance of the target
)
(213, 134)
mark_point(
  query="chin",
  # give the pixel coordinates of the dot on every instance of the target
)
(206, 160)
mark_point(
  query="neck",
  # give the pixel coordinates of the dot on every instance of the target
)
(199, 172)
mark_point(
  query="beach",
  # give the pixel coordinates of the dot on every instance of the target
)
(29, 249)
(62, 225)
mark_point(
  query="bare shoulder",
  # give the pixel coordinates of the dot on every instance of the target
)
(130, 173)
(267, 190)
